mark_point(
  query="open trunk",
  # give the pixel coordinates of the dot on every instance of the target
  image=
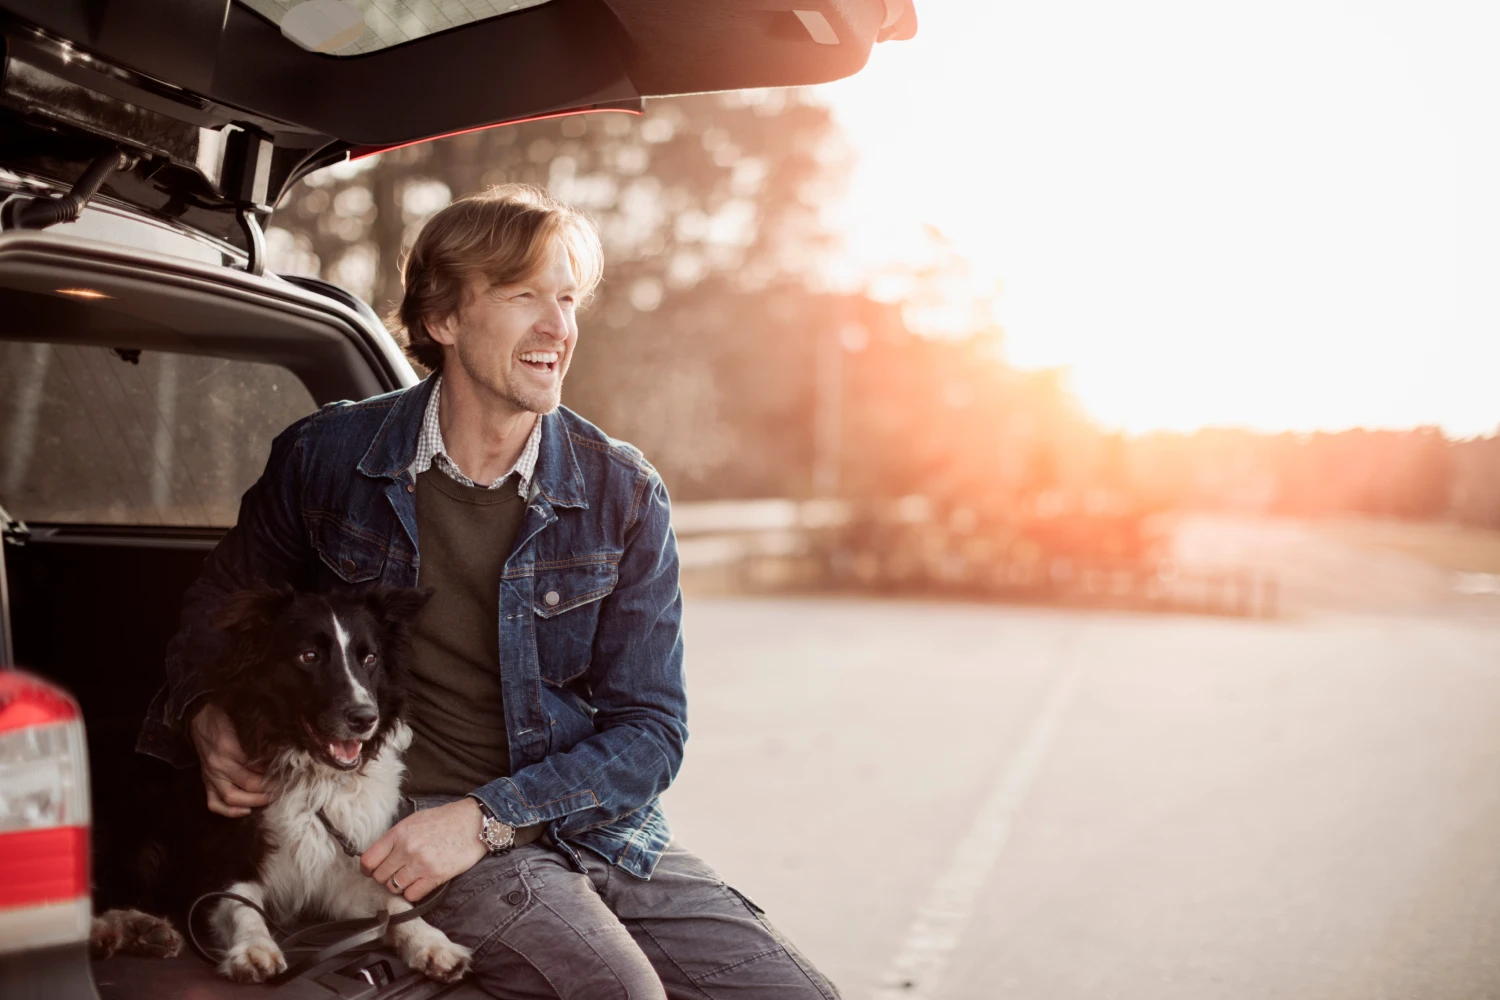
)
(139, 394)
(222, 105)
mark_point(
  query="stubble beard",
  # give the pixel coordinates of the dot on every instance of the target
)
(531, 399)
(511, 389)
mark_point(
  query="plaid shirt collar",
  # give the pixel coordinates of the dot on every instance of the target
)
(430, 449)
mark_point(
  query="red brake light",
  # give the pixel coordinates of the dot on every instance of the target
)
(44, 866)
(44, 816)
(30, 701)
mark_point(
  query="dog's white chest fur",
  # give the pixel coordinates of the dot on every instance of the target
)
(306, 873)
(304, 870)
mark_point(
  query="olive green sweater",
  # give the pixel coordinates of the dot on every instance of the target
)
(454, 702)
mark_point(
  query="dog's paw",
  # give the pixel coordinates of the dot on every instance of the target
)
(106, 933)
(131, 932)
(253, 961)
(438, 958)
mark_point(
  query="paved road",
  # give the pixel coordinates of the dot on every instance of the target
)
(967, 801)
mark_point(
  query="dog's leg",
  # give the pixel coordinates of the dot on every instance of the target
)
(421, 946)
(253, 955)
(131, 932)
(427, 949)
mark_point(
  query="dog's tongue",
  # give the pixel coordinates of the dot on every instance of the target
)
(345, 751)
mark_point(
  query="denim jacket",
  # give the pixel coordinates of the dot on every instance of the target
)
(595, 702)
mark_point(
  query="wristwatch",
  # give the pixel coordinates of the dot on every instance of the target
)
(493, 834)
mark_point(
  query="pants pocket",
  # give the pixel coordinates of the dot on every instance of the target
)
(818, 980)
(755, 907)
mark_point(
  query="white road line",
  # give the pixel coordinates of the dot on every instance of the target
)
(916, 972)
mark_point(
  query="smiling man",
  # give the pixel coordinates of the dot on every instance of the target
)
(546, 700)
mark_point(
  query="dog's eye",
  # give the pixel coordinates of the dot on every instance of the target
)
(308, 656)
(369, 659)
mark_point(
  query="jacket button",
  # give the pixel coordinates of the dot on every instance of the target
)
(514, 897)
(552, 598)
(348, 565)
(411, 487)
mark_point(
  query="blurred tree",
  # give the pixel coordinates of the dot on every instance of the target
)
(710, 212)
(1476, 486)
(702, 346)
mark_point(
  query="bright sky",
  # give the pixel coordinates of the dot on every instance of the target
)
(1281, 215)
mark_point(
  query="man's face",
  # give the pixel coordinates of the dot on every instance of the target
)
(515, 342)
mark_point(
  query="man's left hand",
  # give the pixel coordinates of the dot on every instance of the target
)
(426, 849)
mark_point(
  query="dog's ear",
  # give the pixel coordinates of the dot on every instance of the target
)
(397, 607)
(252, 608)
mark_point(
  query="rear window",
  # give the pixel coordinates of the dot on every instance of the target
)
(355, 27)
(95, 435)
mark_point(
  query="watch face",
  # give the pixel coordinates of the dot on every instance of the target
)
(493, 835)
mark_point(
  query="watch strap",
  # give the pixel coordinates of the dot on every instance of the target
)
(489, 836)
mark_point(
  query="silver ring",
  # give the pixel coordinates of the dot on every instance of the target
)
(396, 885)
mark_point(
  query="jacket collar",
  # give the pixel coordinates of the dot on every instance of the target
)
(395, 445)
(557, 476)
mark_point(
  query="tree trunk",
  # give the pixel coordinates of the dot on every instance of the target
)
(387, 232)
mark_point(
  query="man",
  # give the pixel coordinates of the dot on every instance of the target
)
(547, 700)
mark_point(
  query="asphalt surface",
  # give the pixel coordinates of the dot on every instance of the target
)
(975, 801)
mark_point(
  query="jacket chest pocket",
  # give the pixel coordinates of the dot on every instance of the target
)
(347, 555)
(566, 603)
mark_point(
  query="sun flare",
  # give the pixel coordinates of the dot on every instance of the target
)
(1274, 217)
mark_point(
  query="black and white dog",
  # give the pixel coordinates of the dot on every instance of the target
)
(313, 685)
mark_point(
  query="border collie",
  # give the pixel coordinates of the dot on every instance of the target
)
(313, 684)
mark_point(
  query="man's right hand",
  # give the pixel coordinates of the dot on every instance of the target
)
(234, 787)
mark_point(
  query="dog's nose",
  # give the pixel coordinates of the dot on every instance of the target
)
(360, 717)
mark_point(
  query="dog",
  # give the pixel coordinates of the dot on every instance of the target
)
(313, 685)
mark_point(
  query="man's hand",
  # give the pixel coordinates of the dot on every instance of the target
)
(234, 787)
(426, 849)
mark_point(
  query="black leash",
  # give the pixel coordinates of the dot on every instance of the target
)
(345, 844)
(356, 933)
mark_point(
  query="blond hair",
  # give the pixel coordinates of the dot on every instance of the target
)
(503, 234)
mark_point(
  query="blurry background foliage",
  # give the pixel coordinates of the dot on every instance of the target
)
(695, 345)
(719, 344)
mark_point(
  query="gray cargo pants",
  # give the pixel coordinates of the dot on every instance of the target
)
(538, 928)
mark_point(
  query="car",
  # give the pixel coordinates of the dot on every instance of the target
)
(148, 357)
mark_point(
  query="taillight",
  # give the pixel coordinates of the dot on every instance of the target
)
(44, 815)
